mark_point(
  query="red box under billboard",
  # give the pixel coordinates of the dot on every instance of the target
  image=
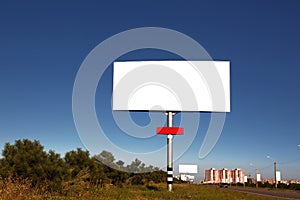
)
(170, 130)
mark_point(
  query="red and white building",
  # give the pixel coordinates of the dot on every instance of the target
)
(224, 176)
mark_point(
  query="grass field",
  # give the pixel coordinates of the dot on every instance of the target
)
(18, 190)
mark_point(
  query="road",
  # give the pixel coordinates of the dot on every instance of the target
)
(272, 193)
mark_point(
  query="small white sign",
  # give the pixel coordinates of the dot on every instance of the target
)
(258, 177)
(278, 176)
(184, 177)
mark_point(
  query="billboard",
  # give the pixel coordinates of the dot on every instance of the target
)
(258, 177)
(171, 86)
(193, 169)
(278, 176)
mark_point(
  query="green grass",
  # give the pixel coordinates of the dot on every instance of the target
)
(185, 191)
(21, 190)
(159, 192)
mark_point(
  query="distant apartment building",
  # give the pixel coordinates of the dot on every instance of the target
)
(224, 176)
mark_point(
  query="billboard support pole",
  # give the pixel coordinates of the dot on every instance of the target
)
(275, 175)
(170, 153)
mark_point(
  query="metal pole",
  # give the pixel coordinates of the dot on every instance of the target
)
(275, 174)
(170, 154)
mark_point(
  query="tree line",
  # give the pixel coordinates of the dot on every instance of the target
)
(26, 159)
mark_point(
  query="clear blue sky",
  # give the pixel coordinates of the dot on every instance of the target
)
(42, 45)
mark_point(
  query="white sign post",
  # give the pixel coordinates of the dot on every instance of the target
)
(171, 87)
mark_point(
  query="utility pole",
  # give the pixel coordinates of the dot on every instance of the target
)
(275, 174)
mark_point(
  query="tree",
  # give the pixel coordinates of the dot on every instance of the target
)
(98, 175)
(106, 158)
(25, 159)
(120, 163)
(157, 176)
(56, 171)
(78, 160)
(134, 167)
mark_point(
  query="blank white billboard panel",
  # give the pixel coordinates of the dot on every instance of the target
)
(172, 86)
(278, 176)
(193, 169)
(258, 177)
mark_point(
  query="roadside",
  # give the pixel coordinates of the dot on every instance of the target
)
(272, 193)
